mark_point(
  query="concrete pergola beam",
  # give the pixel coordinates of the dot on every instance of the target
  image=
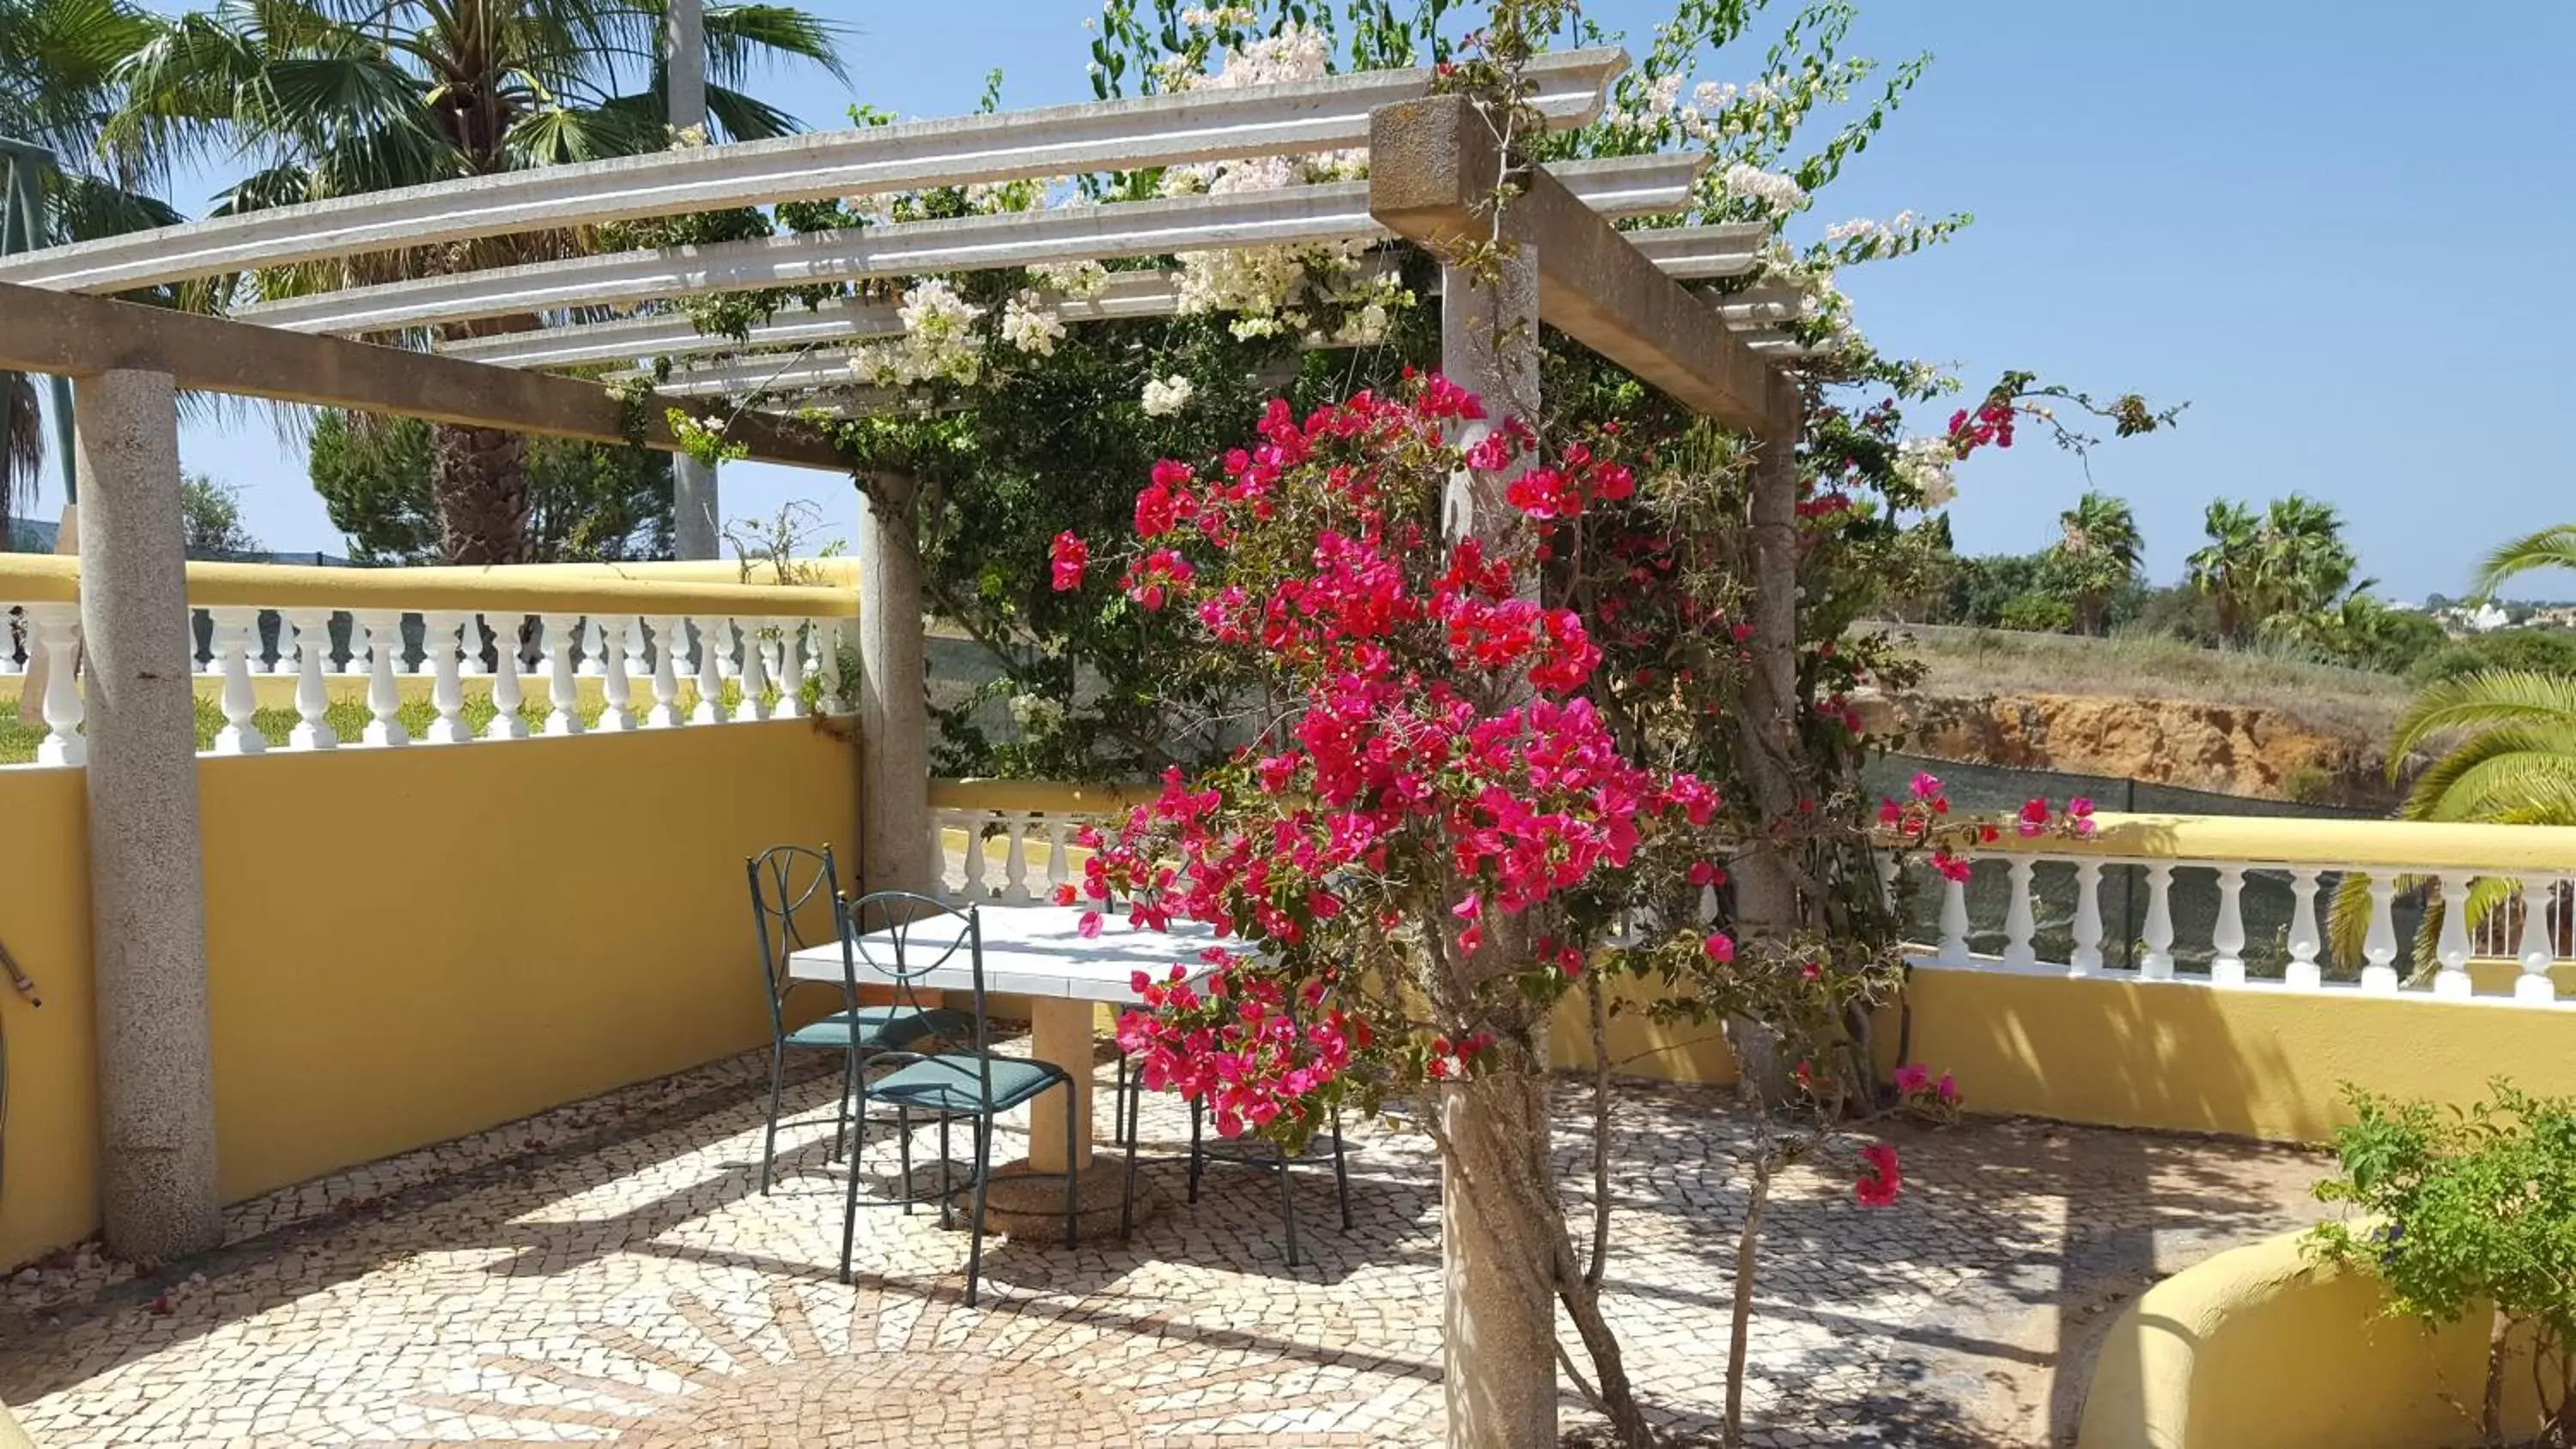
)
(1433, 168)
(1331, 114)
(68, 335)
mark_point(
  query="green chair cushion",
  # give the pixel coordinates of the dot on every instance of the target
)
(878, 1026)
(951, 1084)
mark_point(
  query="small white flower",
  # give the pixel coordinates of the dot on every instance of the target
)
(1076, 281)
(1168, 395)
(1925, 463)
(1029, 326)
(1774, 191)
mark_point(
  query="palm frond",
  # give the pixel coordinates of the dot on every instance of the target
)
(741, 37)
(2488, 699)
(2550, 548)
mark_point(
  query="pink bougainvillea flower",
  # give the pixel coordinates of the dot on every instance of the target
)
(1064, 893)
(1089, 926)
(1913, 1077)
(1470, 908)
(1880, 1178)
(1925, 785)
(1067, 557)
(2033, 819)
(1704, 874)
(1947, 1088)
(1719, 946)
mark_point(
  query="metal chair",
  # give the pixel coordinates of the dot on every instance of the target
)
(1259, 1152)
(903, 937)
(785, 880)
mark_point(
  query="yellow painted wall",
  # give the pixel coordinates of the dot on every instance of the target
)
(1639, 1046)
(410, 945)
(2254, 1348)
(51, 1129)
(2251, 1063)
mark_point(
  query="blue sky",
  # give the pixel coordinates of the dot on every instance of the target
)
(2339, 232)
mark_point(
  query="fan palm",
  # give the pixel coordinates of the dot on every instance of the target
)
(57, 84)
(328, 98)
(2511, 761)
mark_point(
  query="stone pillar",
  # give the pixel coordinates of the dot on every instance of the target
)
(157, 1181)
(894, 707)
(1498, 1310)
(684, 66)
(1766, 891)
(694, 507)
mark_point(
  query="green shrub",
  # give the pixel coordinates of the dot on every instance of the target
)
(2540, 651)
(2037, 613)
(2470, 1212)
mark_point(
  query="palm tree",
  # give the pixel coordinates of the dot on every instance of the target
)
(2098, 552)
(2550, 548)
(2227, 567)
(336, 97)
(57, 84)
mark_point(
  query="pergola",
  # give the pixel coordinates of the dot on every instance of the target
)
(1434, 161)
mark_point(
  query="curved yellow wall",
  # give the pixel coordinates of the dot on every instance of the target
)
(2257, 1349)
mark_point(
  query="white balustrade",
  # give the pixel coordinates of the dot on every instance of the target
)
(642, 663)
(2526, 921)
(1010, 857)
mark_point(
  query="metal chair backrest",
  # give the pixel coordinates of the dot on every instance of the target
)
(901, 937)
(787, 879)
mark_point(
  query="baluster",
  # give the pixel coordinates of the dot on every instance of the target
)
(591, 648)
(561, 690)
(791, 670)
(2018, 921)
(666, 677)
(2158, 963)
(710, 705)
(2305, 938)
(2451, 948)
(751, 707)
(312, 701)
(827, 664)
(2088, 919)
(384, 698)
(940, 822)
(2538, 946)
(1059, 869)
(973, 820)
(235, 638)
(637, 665)
(56, 629)
(471, 637)
(1954, 921)
(618, 716)
(2379, 945)
(1015, 864)
(446, 687)
(2227, 937)
(506, 723)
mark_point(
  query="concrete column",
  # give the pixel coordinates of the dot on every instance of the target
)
(1498, 1312)
(684, 63)
(894, 706)
(694, 507)
(157, 1181)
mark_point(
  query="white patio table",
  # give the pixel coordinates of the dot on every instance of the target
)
(1039, 952)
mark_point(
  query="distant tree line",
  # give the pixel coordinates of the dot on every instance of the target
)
(2281, 577)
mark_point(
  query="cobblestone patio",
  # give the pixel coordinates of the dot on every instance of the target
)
(607, 1273)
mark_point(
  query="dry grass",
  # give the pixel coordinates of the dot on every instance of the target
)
(2330, 700)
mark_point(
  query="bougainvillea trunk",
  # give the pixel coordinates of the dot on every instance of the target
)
(1766, 889)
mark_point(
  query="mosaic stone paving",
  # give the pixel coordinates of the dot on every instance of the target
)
(608, 1273)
